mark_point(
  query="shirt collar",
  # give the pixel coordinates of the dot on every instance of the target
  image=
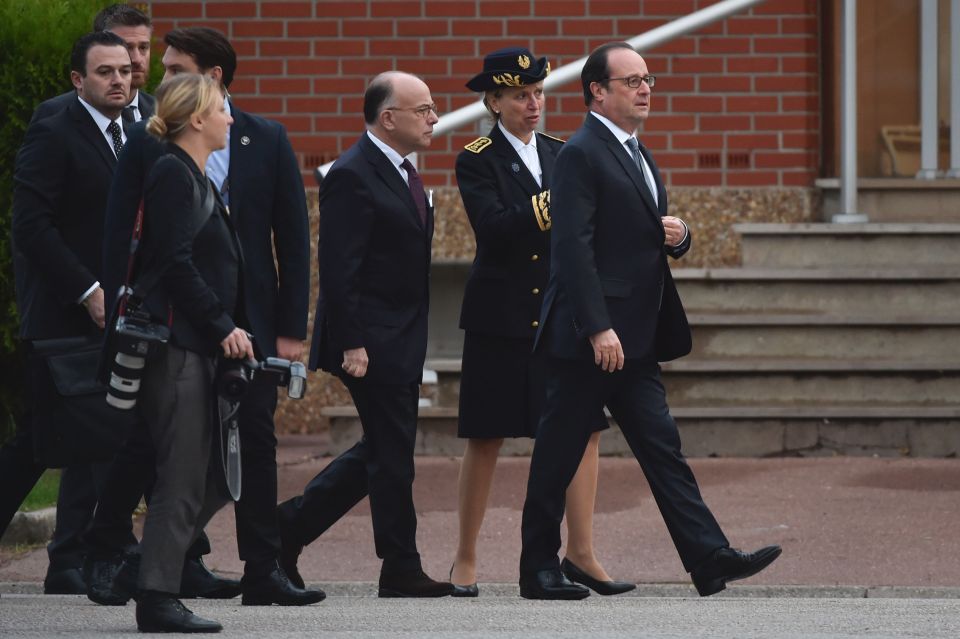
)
(621, 135)
(516, 142)
(135, 102)
(395, 158)
(102, 121)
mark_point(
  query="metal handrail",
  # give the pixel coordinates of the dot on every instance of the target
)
(568, 72)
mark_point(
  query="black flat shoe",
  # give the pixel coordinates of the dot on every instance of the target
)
(64, 582)
(730, 564)
(276, 588)
(550, 584)
(99, 573)
(198, 581)
(463, 591)
(164, 613)
(573, 573)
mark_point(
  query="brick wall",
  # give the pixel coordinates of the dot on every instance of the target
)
(737, 104)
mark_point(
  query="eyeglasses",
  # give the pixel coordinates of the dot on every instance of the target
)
(422, 112)
(634, 81)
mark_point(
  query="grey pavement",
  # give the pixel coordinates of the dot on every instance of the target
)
(361, 617)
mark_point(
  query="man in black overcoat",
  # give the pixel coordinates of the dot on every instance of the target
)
(610, 314)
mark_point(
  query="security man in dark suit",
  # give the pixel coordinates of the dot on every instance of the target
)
(376, 226)
(611, 313)
(79, 482)
(259, 179)
(62, 178)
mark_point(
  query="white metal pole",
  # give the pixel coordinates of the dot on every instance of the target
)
(929, 127)
(848, 118)
(954, 89)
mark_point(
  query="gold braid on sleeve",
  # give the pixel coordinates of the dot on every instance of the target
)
(541, 209)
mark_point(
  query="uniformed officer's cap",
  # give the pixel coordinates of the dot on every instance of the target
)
(512, 67)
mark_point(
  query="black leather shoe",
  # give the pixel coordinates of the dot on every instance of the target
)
(550, 584)
(64, 582)
(99, 573)
(412, 584)
(276, 588)
(289, 553)
(198, 581)
(730, 564)
(157, 612)
(573, 573)
(463, 591)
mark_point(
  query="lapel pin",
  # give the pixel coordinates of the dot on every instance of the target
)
(244, 140)
(515, 167)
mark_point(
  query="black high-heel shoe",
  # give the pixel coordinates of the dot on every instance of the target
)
(600, 587)
(463, 591)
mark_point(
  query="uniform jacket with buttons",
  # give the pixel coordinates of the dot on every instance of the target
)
(511, 268)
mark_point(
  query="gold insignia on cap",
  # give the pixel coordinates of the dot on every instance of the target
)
(479, 144)
(508, 80)
(524, 62)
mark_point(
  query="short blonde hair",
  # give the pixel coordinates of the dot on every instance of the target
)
(179, 99)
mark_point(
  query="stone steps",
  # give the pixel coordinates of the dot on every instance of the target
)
(731, 431)
(841, 245)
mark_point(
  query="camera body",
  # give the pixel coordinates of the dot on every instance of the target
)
(135, 335)
(235, 376)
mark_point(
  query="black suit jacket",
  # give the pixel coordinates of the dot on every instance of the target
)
(269, 212)
(509, 275)
(374, 256)
(62, 177)
(198, 254)
(147, 105)
(609, 266)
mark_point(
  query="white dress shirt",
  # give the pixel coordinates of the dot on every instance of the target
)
(527, 152)
(103, 122)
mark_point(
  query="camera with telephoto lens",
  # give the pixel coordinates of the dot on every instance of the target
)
(135, 335)
(235, 376)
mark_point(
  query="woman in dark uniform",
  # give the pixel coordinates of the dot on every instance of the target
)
(504, 179)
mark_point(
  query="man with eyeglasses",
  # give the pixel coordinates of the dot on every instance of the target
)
(370, 330)
(610, 314)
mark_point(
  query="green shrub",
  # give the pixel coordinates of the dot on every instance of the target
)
(35, 41)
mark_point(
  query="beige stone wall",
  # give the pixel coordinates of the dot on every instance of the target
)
(710, 212)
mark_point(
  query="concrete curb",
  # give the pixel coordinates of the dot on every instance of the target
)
(34, 527)
(368, 589)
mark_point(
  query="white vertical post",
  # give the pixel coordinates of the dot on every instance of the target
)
(848, 118)
(954, 89)
(929, 126)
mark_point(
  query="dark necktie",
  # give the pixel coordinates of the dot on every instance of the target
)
(128, 116)
(114, 130)
(416, 190)
(635, 152)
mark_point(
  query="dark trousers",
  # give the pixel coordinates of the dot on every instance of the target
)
(176, 402)
(131, 476)
(18, 472)
(638, 402)
(381, 464)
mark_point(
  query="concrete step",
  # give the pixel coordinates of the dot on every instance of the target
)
(770, 335)
(861, 291)
(727, 431)
(746, 382)
(897, 199)
(844, 245)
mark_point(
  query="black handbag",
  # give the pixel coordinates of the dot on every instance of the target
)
(72, 422)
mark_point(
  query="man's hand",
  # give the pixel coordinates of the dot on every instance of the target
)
(607, 351)
(94, 305)
(289, 348)
(674, 229)
(355, 362)
(237, 345)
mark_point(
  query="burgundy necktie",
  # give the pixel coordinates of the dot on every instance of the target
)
(416, 190)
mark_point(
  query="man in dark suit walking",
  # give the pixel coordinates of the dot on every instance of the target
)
(610, 314)
(376, 227)
(79, 482)
(259, 179)
(62, 178)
